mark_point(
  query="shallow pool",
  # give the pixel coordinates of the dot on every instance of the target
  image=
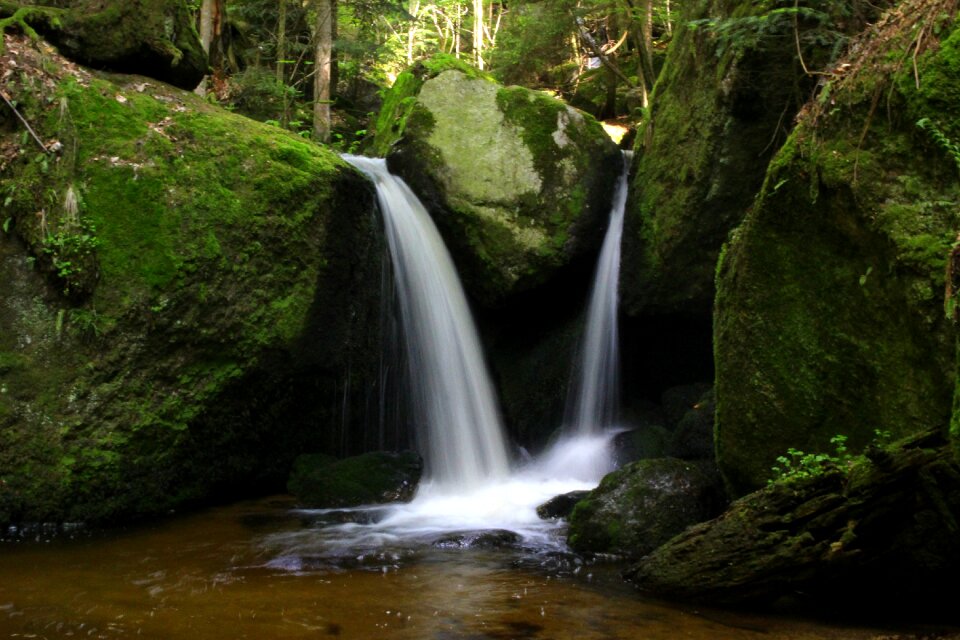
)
(262, 569)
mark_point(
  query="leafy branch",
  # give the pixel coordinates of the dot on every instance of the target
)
(941, 139)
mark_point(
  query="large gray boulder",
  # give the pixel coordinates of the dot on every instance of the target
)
(519, 183)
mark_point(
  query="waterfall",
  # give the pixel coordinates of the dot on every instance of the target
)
(594, 396)
(453, 403)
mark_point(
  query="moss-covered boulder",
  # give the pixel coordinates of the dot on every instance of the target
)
(639, 507)
(377, 477)
(879, 536)
(520, 185)
(829, 314)
(190, 299)
(156, 38)
(722, 105)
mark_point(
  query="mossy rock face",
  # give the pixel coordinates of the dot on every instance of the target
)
(518, 183)
(639, 507)
(187, 293)
(156, 38)
(880, 536)
(829, 315)
(720, 109)
(320, 481)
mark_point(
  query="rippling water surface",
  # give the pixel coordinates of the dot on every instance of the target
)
(265, 570)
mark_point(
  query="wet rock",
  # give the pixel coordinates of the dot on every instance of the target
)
(492, 539)
(639, 507)
(561, 506)
(883, 533)
(320, 481)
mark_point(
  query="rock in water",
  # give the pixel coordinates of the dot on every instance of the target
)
(561, 506)
(519, 183)
(882, 534)
(639, 507)
(378, 477)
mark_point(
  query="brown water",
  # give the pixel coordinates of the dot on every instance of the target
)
(224, 573)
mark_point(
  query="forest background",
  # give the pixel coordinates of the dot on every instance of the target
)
(317, 66)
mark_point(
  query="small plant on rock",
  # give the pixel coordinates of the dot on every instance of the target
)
(797, 464)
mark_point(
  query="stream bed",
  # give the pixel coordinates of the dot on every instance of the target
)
(262, 569)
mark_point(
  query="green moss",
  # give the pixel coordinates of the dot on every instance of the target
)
(399, 101)
(214, 257)
(376, 477)
(828, 314)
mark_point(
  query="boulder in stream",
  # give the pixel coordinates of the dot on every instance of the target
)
(639, 507)
(519, 184)
(321, 481)
(561, 506)
(882, 533)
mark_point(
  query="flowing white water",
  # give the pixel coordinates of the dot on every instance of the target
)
(469, 486)
(392, 532)
(454, 403)
(594, 398)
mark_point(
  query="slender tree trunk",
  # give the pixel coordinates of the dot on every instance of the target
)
(412, 29)
(281, 58)
(478, 32)
(322, 70)
(647, 29)
(281, 40)
(456, 32)
(207, 10)
(642, 39)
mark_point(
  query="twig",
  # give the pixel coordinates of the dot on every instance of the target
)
(776, 130)
(604, 59)
(796, 37)
(33, 133)
(916, 50)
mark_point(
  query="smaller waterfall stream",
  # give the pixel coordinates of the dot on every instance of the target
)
(594, 396)
(454, 402)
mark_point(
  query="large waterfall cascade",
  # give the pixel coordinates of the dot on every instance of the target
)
(593, 400)
(469, 485)
(454, 403)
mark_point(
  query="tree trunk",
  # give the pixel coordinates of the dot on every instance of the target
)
(281, 57)
(478, 32)
(322, 70)
(207, 9)
(412, 29)
(456, 33)
(281, 40)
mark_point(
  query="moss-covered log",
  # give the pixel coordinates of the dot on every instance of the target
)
(883, 535)
(156, 38)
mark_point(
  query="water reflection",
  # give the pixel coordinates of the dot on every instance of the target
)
(232, 573)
